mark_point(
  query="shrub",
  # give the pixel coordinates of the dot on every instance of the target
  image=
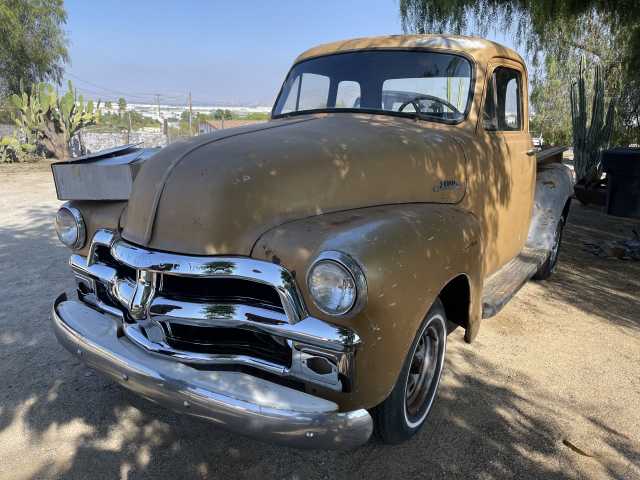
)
(12, 151)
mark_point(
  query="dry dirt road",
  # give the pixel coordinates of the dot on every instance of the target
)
(551, 388)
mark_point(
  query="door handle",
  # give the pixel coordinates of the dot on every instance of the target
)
(532, 151)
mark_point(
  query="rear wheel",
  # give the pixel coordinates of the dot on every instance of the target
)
(405, 410)
(549, 266)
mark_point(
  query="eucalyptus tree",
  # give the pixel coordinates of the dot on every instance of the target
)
(33, 45)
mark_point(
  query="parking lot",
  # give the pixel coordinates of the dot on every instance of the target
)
(550, 389)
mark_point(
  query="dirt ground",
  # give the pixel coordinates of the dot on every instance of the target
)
(551, 388)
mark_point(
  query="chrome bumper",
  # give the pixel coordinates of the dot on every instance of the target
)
(235, 401)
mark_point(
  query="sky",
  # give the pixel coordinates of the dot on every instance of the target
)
(233, 52)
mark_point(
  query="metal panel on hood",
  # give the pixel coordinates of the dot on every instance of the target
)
(215, 195)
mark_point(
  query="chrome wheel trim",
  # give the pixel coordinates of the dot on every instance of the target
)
(425, 370)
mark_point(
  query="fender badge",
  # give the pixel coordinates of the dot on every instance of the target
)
(444, 185)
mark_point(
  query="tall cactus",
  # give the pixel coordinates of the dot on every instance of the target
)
(52, 120)
(588, 143)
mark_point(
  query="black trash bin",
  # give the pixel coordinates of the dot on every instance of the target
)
(623, 173)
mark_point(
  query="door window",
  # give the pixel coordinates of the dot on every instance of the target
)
(503, 104)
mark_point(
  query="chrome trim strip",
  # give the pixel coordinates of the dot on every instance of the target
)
(213, 314)
(135, 332)
(103, 238)
(143, 294)
(309, 330)
(103, 273)
(216, 267)
(233, 400)
(122, 289)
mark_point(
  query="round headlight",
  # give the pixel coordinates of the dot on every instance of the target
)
(336, 283)
(70, 227)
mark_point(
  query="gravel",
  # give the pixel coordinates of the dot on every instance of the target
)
(550, 389)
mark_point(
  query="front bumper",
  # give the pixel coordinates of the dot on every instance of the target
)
(235, 401)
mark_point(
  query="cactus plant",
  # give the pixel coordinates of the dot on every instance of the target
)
(588, 143)
(51, 120)
(13, 150)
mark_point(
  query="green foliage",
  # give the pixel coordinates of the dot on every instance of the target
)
(220, 114)
(12, 150)
(560, 32)
(51, 120)
(550, 104)
(182, 129)
(122, 106)
(536, 22)
(6, 111)
(33, 46)
(258, 116)
(588, 143)
(133, 119)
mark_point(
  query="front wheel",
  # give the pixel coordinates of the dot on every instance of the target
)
(405, 410)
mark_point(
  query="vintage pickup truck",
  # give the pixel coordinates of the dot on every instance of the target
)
(296, 280)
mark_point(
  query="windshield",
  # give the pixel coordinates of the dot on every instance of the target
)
(433, 85)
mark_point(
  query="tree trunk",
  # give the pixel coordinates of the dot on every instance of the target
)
(55, 142)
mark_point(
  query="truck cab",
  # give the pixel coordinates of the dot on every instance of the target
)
(296, 280)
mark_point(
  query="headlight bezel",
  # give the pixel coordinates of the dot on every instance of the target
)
(352, 268)
(81, 230)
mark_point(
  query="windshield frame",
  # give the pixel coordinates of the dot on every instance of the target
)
(375, 111)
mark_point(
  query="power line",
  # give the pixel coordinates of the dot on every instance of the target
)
(148, 98)
(108, 90)
(127, 94)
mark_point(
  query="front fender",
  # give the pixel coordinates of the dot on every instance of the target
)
(408, 254)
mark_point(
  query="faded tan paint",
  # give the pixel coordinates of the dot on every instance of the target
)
(506, 218)
(225, 193)
(359, 183)
(99, 215)
(408, 254)
(480, 49)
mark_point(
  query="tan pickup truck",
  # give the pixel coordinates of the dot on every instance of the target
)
(296, 280)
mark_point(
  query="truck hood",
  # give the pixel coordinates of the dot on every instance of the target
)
(217, 194)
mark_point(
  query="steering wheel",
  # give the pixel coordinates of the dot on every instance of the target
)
(415, 101)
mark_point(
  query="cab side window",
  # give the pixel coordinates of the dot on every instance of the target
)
(503, 103)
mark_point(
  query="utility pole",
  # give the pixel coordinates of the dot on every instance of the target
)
(129, 131)
(190, 115)
(158, 103)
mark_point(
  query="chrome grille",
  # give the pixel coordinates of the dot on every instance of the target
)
(214, 311)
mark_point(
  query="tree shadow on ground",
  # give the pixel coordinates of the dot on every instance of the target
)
(60, 420)
(606, 287)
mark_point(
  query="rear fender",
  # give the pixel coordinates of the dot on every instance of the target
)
(408, 254)
(554, 187)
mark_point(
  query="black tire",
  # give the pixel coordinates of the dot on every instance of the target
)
(408, 405)
(549, 266)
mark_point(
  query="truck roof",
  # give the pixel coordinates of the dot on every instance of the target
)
(479, 48)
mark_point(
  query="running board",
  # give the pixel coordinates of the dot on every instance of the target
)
(500, 287)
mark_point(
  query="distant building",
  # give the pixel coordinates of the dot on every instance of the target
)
(210, 126)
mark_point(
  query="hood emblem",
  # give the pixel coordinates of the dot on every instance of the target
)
(444, 185)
